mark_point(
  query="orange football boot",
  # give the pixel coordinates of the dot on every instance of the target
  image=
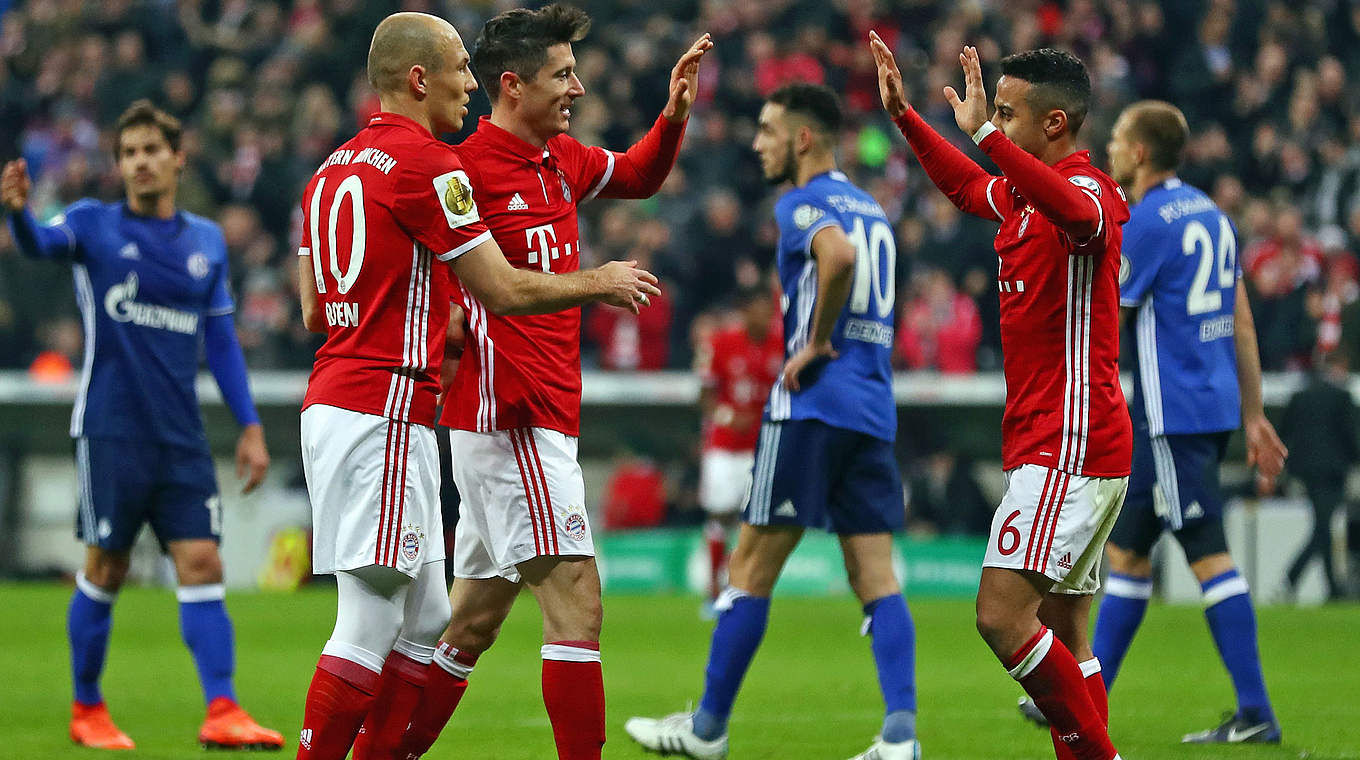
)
(229, 727)
(91, 726)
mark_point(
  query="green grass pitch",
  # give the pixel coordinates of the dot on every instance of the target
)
(811, 692)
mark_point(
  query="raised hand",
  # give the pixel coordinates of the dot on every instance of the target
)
(970, 113)
(14, 185)
(685, 80)
(626, 286)
(889, 77)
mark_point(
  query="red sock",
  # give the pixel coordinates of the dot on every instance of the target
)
(717, 556)
(573, 692)
(337, 701)
(1051, 676)
(446, 680)
(399, 689)
(1095, 687)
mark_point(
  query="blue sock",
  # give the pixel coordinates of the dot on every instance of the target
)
(1227, 607)
(207, 631)
(1121, 612)
(88, 621)
(741, 626)
(894, 644)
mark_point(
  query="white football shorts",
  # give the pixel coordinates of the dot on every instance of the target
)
(725, 480)
(522, 497)
(374, 488)
(1055, 523)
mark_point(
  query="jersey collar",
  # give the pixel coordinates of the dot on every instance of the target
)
(178, 219)
(397, 120)
(507, 141)
(1079, 158)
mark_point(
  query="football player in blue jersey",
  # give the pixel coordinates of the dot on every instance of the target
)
(825, 454)
(1198, 378)
(151, 283)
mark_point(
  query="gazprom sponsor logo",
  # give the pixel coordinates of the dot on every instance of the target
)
(122, 306)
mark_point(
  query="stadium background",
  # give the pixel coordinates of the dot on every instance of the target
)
(267, 89)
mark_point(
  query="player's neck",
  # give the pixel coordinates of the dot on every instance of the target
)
(505, 119)
(408, 108)
(1144, 181)
(1057, 150)
(812, 165)
(159, 206)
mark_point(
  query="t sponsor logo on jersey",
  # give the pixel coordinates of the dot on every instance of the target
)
(517, 204)
(575, 525)
(805, 215)
(197, 265)
(455, 198)
(120, 301)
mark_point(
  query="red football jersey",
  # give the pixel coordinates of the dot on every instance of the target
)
(377, 214)
(1059, 298)
(525, 370)
(1060, 331)
(740, 372)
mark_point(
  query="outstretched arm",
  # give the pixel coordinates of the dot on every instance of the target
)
(640, 171)
(971, 188)
(34, 240)
(1075, 211)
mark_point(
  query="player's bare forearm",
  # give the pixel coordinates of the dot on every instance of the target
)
(311, 309)
(1248, 356)
(835, 274)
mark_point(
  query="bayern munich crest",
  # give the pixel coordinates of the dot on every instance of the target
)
(575, 525)
(410, 544)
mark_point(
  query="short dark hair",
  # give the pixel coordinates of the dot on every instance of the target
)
(518, 41)
(1057, 79)
(144, 113)
(1162, 129)
(817, 102)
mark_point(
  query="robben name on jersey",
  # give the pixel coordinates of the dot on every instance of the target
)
(853, 391)
(1180, 272)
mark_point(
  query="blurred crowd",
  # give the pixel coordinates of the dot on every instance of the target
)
(268, 88)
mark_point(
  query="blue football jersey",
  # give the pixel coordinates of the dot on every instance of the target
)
(1180, 272)
(144, 287)
(853, 391)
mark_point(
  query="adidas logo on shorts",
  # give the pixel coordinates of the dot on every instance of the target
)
(517, 204)
(1066, 561)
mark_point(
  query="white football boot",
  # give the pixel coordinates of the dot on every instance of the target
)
(674, 735)
(881, 750)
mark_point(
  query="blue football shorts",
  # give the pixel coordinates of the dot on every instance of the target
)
(125, 484)
(811, 474)
(1174, 486)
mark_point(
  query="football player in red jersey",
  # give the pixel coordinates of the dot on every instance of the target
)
(1066, 434)
(737, 366)
(514, 406)
(377, 215)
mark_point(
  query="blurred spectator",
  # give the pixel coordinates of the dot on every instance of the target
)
(944, 498)
(635, 495)
(940, 328)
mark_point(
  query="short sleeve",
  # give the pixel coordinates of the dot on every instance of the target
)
(220, 301)
(1139, 261)
(801, 216)
(436, 204)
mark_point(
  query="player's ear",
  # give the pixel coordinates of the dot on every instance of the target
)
(415, 79)
(1055, 123)
(511, 84)
(805, 138)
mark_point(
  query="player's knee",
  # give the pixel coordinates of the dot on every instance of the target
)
(996, 623)
(474, 631)
(1127, 562)
(199, 568)
(430, 620)
(107, 570)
